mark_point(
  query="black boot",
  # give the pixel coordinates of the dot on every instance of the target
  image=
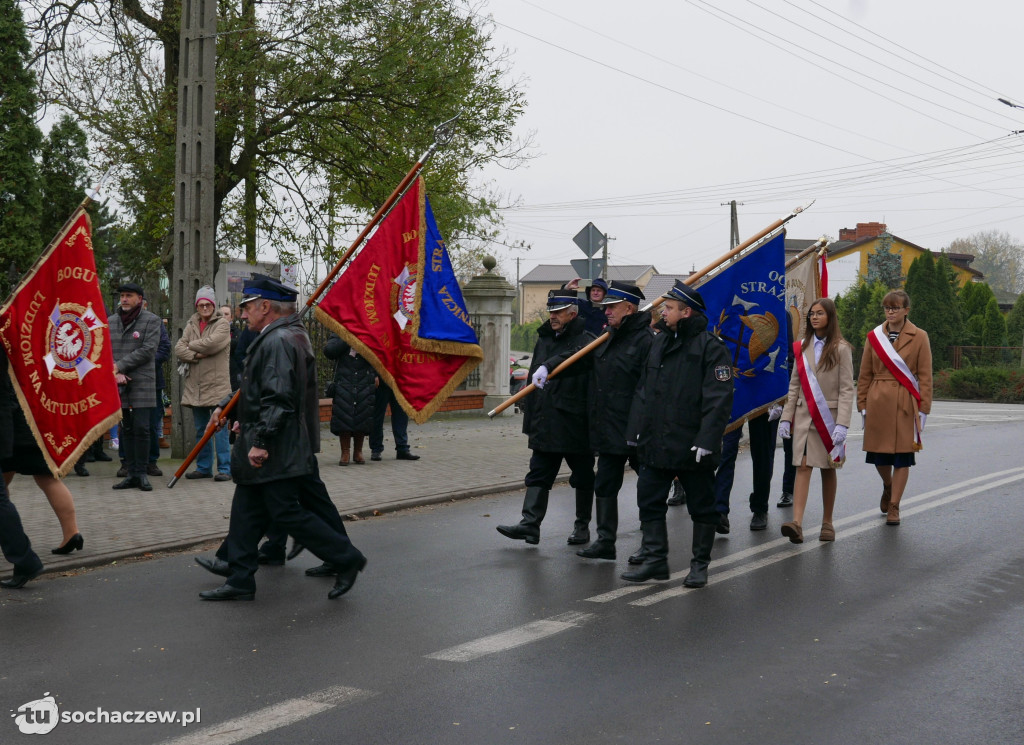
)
(703, 540)
(655, 564)
(535, 505)
(607, 526)
(638, 557)
(584, 511)
(678, 495)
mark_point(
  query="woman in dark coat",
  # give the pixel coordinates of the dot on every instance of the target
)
(353, 390)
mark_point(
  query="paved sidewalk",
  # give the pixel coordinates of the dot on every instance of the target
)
(460, 457)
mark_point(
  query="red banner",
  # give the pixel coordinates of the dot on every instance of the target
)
(375, 306)
(54, 328)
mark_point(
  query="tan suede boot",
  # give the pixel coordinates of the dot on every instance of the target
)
(345, 443)
(892, 516)
(886, 496)
(357, 450)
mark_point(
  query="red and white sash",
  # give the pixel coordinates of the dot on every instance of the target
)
(817, 406)
(879, 341)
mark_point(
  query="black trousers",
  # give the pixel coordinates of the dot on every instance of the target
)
(762, 453)
(653, 484)
(135, 438)
(610, 472)
(14, 544)
(256, 506)
(544, 467)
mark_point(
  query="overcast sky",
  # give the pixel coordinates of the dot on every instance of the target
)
(648, 115)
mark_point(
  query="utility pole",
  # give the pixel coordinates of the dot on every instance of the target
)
(194, 253)
(734, 224)
(519, 292)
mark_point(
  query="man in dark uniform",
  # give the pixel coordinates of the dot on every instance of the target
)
(682, 405)
(555, 419)
(591, 310)
(617, 365)
(273, 461)
(14, 544)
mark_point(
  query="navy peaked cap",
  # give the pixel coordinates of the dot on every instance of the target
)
(561, 299)
(262, 287)
(622, 291)
(683, 292)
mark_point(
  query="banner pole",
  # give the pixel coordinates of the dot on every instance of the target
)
(528, 389)
(442, 135)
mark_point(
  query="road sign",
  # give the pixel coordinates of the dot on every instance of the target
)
(590, 239)
(588, 269)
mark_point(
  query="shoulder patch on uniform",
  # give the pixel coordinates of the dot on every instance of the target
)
(723, 372)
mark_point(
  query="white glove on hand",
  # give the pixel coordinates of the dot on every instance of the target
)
(784, 430)
(863, 417)
(839, 435)
(540, 377)
(701, 452)
(922, 416)
(774, 413)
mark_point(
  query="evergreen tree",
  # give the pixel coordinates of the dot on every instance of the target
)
(885, 266)
(1015, 324)
(20, 203)
(851, 309)
(994, 329)
(934, 305)
(62, 174)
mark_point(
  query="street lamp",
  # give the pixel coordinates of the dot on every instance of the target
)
(1011, 104)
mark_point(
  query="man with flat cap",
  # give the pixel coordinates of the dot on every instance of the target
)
(617, 365)
(134, 338)
(273, 460)
(680, 411)
(555, 420)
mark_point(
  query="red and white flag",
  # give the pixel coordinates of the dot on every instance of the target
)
(54, 328)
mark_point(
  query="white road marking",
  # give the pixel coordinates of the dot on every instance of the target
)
(512, 638)
(273, 717)
(811, 545)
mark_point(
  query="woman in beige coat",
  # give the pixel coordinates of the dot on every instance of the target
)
(893, 418)
(204, 348)
(831, 358)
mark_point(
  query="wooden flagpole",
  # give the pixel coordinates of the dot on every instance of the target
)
(442, 135)
(528, 389)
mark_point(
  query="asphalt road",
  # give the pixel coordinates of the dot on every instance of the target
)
(455, 634)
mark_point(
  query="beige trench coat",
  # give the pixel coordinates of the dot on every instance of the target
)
(889, 425)
(209, 378)
(837, 387)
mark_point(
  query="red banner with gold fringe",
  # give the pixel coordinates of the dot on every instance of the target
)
(54, 328)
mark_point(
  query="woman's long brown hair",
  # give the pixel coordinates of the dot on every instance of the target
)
(833, 336)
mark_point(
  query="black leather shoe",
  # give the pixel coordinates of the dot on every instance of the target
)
(520, 532)
(100, 455)
(598, 550)
(578, 536)
(74, 543)
(324, 570)
(723, 525)
(227, 592)
(297, 548)
(198, 475)
(222, 477)
(374, 456)
(678, 495)
(122, 472)
(144, 483)
(759, 521)
(786, 500)
(637, 558)
(130, 482)
(152, 469)
(215, 566)
(646, 571)
(18, 580)
(270, 561)
(81, 470)
(346, 578)
(405, 455)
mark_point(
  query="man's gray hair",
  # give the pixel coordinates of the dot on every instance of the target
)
(282, 308)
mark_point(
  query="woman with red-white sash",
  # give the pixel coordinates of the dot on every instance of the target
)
(817, 413)
(894, 396)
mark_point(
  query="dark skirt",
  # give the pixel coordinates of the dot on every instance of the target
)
(26, 460)
(896, 460)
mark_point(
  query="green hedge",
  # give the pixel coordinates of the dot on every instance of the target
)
(986, 383)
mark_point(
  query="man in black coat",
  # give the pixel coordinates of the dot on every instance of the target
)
(555, 420)
(616, 368)
(273, 461)
(682, 405)
(14, 544)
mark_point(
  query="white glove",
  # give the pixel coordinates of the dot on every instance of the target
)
(839, 435)
(701, 452)
(922, 416)
(863, 417)
(784, 430)
(774, 412)
(540, 377)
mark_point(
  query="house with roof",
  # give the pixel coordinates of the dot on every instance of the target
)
(535, 284)
(850, 257)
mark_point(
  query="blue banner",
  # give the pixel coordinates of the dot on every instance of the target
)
(442, 310)
(746, 309)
